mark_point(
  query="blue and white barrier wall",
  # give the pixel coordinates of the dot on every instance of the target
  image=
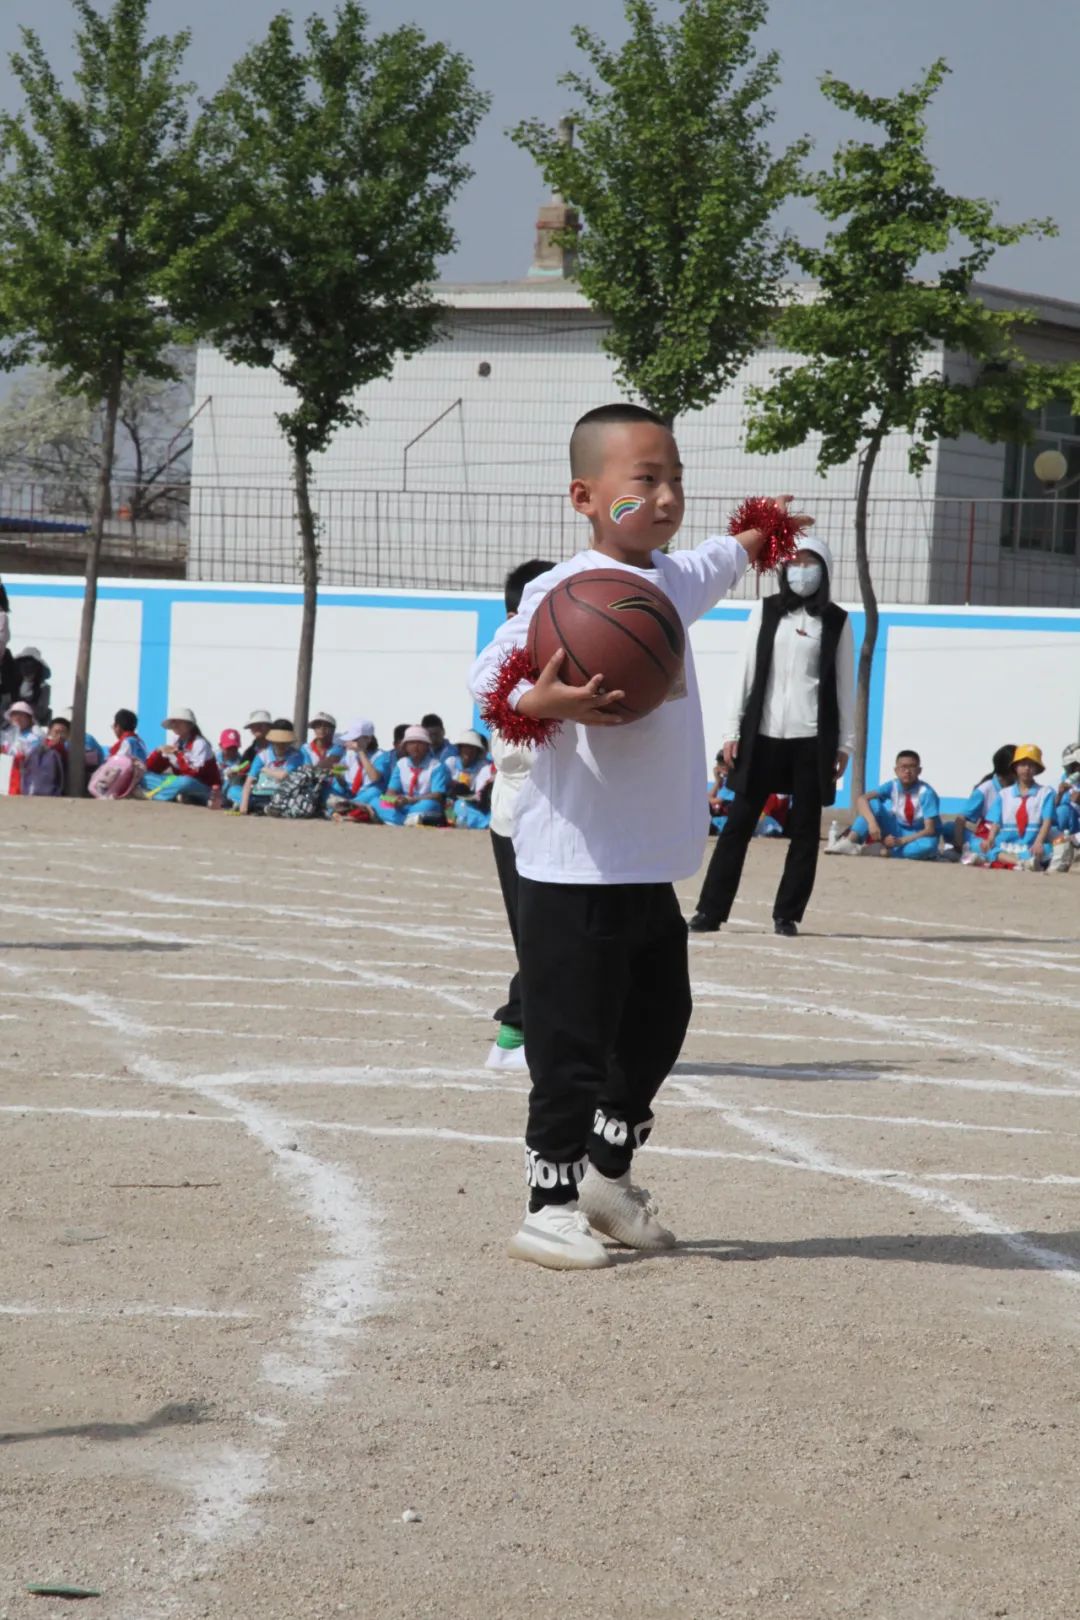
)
(954, 683)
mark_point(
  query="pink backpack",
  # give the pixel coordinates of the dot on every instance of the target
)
(117, 778)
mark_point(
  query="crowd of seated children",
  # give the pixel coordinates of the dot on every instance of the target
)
(772, 820)
(1009, 819)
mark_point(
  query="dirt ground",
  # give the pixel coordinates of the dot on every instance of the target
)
(254, 1300)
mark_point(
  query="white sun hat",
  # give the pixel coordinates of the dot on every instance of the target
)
(180, 714)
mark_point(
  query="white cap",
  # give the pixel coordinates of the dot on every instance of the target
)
(180, 714)
(258, 717)
(357, 729)
(471, 739)
(820, 548)
(322, 719)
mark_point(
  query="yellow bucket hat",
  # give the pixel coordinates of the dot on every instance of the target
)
(1029, 751)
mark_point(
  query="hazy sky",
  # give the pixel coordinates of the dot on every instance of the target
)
(1001, 127)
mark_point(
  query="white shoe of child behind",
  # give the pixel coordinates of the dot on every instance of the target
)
(558, 1236)
(511, 1061)
(844, 846)
(622, 1211)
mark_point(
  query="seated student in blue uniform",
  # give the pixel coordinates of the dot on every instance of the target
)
(1067, 807)
(902, 815)
(962, 833)
(720, 796)
(471, 783)
(365, 773)
(441, 746)
(270, 767)
(1021, 822)
(416, 792)
(322, 749)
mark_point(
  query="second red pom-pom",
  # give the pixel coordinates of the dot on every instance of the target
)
(516, 729)
(779, 527)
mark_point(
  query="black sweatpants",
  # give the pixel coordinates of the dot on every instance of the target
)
(779, 765)
(506, 866)
(606, 994)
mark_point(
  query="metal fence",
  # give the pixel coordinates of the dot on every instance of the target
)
(949, 551)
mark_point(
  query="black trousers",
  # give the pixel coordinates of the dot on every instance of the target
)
(606, 992)
(779, 765)
(506, 866)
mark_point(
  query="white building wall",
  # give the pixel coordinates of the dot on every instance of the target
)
(504, 435)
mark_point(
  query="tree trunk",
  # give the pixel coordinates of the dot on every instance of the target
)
(102, 509)
(310, 568)
(870, 611)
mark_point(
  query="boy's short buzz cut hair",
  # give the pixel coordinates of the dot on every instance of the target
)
(588, 432)
(910, 753)
(517, 579)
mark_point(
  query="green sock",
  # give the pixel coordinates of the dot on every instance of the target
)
(509, 1038)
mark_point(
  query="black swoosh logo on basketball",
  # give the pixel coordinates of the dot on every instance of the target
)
(643, 604)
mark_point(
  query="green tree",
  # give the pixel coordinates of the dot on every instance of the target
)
(676, 187)
(881, 314)
(338, 162)
(98, 190)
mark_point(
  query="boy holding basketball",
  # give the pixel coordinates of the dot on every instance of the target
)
(611, 815)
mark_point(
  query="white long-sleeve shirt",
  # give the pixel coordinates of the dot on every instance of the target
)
(620, 804)
(512, 767)
(791, 691)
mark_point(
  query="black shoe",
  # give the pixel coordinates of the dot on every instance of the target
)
(702, 923)
(782, 926)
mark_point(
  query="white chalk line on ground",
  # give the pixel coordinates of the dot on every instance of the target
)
(336, 1293)
(294, 1123)
(108, 1312)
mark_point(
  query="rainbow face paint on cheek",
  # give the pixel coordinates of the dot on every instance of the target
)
(625, 507)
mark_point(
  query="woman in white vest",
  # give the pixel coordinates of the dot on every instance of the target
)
(790, 730)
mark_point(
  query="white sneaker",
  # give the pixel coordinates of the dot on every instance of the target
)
(844, 846)
(622, 1211)
(559, 1236)
(508, 1062)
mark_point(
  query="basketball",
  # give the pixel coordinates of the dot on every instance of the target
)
(612, 624)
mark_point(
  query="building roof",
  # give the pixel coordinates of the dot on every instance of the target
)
(557, 293)
(534, 292)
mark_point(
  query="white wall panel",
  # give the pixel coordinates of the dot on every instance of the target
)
(956, 694)
(52, 624)
(387, 664)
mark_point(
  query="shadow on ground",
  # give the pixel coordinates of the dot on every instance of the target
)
(981, 1250)
(865, 1069)
(1022, 940)
(170, 1416)
(93, 945)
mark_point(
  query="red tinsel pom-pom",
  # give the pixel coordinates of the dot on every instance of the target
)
(780, 530)
(514, 728)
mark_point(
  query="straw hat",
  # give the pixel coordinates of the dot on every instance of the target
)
(281, 734)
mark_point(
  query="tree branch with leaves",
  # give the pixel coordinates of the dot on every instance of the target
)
(677, 186)
(337, 160)
(875, 331)
(97, 194)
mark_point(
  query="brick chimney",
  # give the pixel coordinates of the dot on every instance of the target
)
(549, 258)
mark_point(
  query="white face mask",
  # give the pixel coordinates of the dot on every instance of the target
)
(804, 578)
